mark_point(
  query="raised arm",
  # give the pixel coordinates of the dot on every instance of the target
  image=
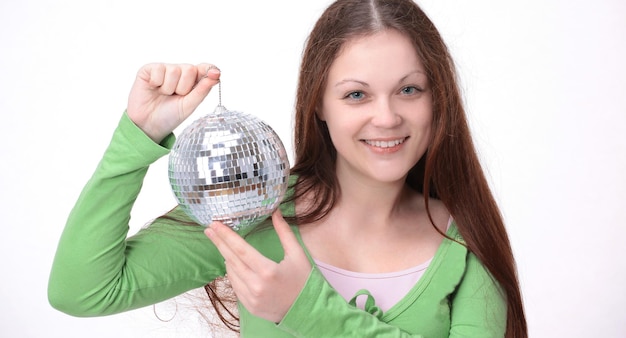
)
(96, 270)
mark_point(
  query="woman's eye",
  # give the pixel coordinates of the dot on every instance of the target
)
(410, 90)
(355, 95)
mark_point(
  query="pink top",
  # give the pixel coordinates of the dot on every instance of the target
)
(387, 289)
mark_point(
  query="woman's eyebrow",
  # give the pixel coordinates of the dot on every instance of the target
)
(365, 84)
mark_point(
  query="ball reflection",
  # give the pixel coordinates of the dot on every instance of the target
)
(230, 167)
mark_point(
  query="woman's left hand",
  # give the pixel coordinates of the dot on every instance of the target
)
(267, 289)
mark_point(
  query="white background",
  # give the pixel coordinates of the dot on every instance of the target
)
(544, 83)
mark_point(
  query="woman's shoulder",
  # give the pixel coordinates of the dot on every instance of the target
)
(436, 209)
(440, 214)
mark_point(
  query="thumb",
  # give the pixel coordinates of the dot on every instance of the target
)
(285, 234)
(207, 79)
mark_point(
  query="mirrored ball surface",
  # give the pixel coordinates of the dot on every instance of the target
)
(230, 167)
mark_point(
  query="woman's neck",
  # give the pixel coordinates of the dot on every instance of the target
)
(374, 227)
(377, 204)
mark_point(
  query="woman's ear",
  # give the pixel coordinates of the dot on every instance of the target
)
(320, 113)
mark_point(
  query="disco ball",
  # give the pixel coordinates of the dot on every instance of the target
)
(228, 166)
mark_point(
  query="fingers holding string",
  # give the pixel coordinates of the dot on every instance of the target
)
(206, 76)
(207, 70)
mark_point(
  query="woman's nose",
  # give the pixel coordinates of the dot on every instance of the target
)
(385, 115)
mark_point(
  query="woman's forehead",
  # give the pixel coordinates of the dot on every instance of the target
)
(383, 51)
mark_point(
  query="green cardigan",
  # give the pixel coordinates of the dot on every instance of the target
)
(98, 270)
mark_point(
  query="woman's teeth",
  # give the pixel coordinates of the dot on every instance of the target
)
(384, 144)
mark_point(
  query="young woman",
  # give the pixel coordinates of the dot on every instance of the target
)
(389, 226)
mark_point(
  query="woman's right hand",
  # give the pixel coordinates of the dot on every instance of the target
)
(164, 95)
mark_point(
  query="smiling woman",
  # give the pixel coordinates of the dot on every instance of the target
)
(377, 107)
(386, 186)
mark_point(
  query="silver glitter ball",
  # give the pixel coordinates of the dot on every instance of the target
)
(228, 166)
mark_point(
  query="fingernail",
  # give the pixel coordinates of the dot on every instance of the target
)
(214, 70)
(209, 232)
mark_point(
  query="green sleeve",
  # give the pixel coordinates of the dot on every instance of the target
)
(319, 311)
(96, 269)
(479, 307)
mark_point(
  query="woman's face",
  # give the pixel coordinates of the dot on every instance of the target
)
(378, 108)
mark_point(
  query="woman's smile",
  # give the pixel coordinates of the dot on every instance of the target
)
(385, 145)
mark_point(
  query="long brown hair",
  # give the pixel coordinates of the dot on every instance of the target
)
(450, 169)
